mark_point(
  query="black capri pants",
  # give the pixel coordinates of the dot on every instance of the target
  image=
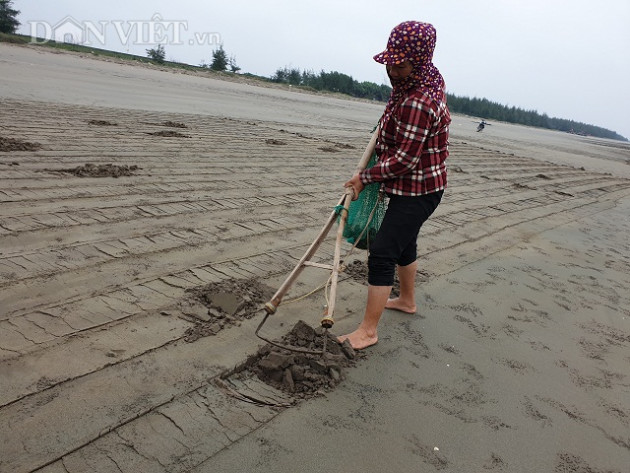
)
(396, 241)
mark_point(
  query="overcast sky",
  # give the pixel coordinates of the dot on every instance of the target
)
(566, 58)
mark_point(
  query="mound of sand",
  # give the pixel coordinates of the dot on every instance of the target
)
(100, 170)
(12, 144)
(300, 373)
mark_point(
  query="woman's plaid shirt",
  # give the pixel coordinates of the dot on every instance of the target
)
(412, 147)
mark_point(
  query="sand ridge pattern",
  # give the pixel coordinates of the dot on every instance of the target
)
(96, 277)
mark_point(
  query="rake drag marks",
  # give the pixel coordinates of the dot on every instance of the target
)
(96, 272)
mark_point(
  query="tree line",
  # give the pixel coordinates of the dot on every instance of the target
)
(332, 82)
(488, 110)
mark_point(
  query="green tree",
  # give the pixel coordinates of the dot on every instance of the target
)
(280, 75)
(288, 76)
(158, 55)
(219, 60)
(294, 77)
(8, 17)
(232, 63)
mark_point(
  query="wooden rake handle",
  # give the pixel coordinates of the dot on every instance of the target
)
(327, 321)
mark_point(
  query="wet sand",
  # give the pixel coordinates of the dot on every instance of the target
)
(517, 360)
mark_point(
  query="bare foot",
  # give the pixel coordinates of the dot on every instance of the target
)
(397, 304)
(359, 339)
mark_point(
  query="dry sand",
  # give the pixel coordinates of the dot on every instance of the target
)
(518, 360)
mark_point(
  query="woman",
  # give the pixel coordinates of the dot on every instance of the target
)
(412, 146)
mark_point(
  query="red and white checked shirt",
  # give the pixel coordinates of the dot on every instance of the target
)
(412, 146)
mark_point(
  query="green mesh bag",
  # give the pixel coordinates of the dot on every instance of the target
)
(365, 214)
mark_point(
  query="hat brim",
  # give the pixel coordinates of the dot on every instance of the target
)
(386, 58)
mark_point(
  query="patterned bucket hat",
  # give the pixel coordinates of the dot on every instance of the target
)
(409, 41)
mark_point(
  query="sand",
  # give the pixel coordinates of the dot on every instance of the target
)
(144, 213)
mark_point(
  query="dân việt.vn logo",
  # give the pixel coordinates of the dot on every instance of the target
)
(156, 30)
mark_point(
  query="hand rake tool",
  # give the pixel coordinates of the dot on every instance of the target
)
(341, 214)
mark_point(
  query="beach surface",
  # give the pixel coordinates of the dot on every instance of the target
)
(127, 191)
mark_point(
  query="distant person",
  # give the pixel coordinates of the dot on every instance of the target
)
(481, 126)
(412, 146)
